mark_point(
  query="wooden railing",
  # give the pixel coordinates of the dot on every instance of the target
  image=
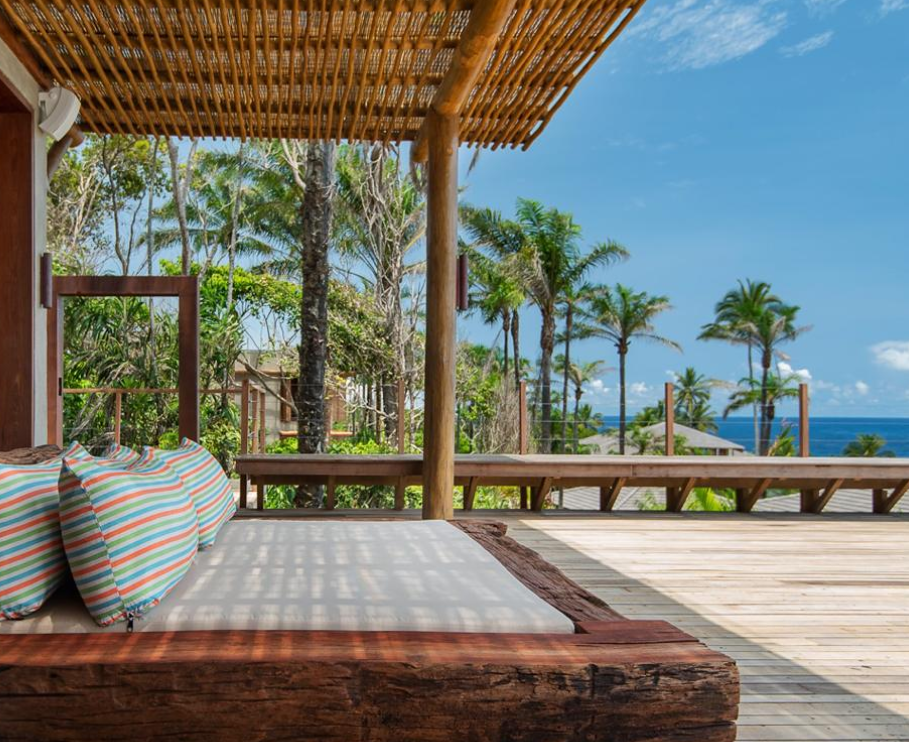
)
(818, 479)
(252, 409)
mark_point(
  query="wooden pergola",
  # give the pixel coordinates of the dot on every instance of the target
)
(438, 73)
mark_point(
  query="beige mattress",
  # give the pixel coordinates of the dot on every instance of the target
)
(345, 576)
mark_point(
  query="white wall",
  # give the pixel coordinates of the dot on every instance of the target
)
(15, 74)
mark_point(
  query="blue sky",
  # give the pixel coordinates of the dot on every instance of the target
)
(727, 139)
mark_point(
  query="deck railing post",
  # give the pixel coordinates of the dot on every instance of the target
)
(262, 427)
(244, 436)
(670, 419)
(804, 433)
(118, 415)
(402, 416)
(254, 447)
(522, 418)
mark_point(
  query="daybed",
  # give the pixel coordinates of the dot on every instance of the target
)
(364, 630)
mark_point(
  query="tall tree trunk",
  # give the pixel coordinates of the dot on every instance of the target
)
(766, 361)
(150, 260)
(577, 408)
(547, 343)
(568, 327)
(506, 329)
(622, 353)
(516, 346)
(754, 407)
(180, 185)
(317, 215)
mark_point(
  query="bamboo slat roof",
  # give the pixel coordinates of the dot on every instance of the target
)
(308, 69)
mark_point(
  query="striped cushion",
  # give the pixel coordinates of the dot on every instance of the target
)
(207, 484)
(130, 533)
(32, 560)
(123, 454)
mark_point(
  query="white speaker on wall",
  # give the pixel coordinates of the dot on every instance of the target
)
(59, 110)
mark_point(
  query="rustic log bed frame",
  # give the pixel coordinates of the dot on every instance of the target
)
(614, 679)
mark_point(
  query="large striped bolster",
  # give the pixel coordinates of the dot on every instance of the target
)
(122, 454)
(131, 533)
(206, 482)
(32, 560)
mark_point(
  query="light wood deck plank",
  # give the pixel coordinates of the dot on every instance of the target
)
(815, 609)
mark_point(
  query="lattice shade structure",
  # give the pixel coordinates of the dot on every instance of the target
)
(308, 69)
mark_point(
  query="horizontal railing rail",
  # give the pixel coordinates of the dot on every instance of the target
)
(818, 479)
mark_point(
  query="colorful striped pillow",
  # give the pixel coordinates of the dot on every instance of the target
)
(130, 534)
(207, 483)
(32, 560)
(122, 454)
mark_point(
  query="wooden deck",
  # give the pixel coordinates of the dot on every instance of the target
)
(818, 479)
(815, 609)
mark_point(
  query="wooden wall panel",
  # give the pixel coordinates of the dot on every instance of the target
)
(17, 275)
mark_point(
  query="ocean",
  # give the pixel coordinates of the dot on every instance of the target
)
(828, 434)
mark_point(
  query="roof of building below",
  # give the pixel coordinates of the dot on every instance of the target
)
(609, 443)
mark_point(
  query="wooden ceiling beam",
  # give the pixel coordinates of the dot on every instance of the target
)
(478, 42)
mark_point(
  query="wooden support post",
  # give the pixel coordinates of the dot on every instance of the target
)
(541, 493)
(525, 497)
(118, 415)
(670, 419)
(244, 436)
(17, 276)
(400, 492)
(610, 493)
(402, 416)
(330, 494)
(808, 496)
(677, 496)
(822, 500)
(441, 317)
(523, 430)
(470, 492)
(262, 428)
(260, 494)
(804, 433)
(884, 503)
(188, 374)
(255, 421)
(745, 500)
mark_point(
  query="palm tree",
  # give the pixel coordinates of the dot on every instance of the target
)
(497, 296)
(768, 392)
(579, 374)
(692, 400)
(552, 267)
(504, 239)
(753, 316)
(868, 445)
(736, 315)
(541, 248)
(621, 315)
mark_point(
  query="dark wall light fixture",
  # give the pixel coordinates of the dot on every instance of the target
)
(463, 301)
(47, 280)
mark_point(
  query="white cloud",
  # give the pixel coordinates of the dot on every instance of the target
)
(811, 44)
(862, 388)
(701, 33)
(893, 354)
(597, 388)
(823, 6)
(786, 370)
(889, 6)
(639, 389)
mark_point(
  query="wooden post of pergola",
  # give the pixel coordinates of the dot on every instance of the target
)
(437, 144)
